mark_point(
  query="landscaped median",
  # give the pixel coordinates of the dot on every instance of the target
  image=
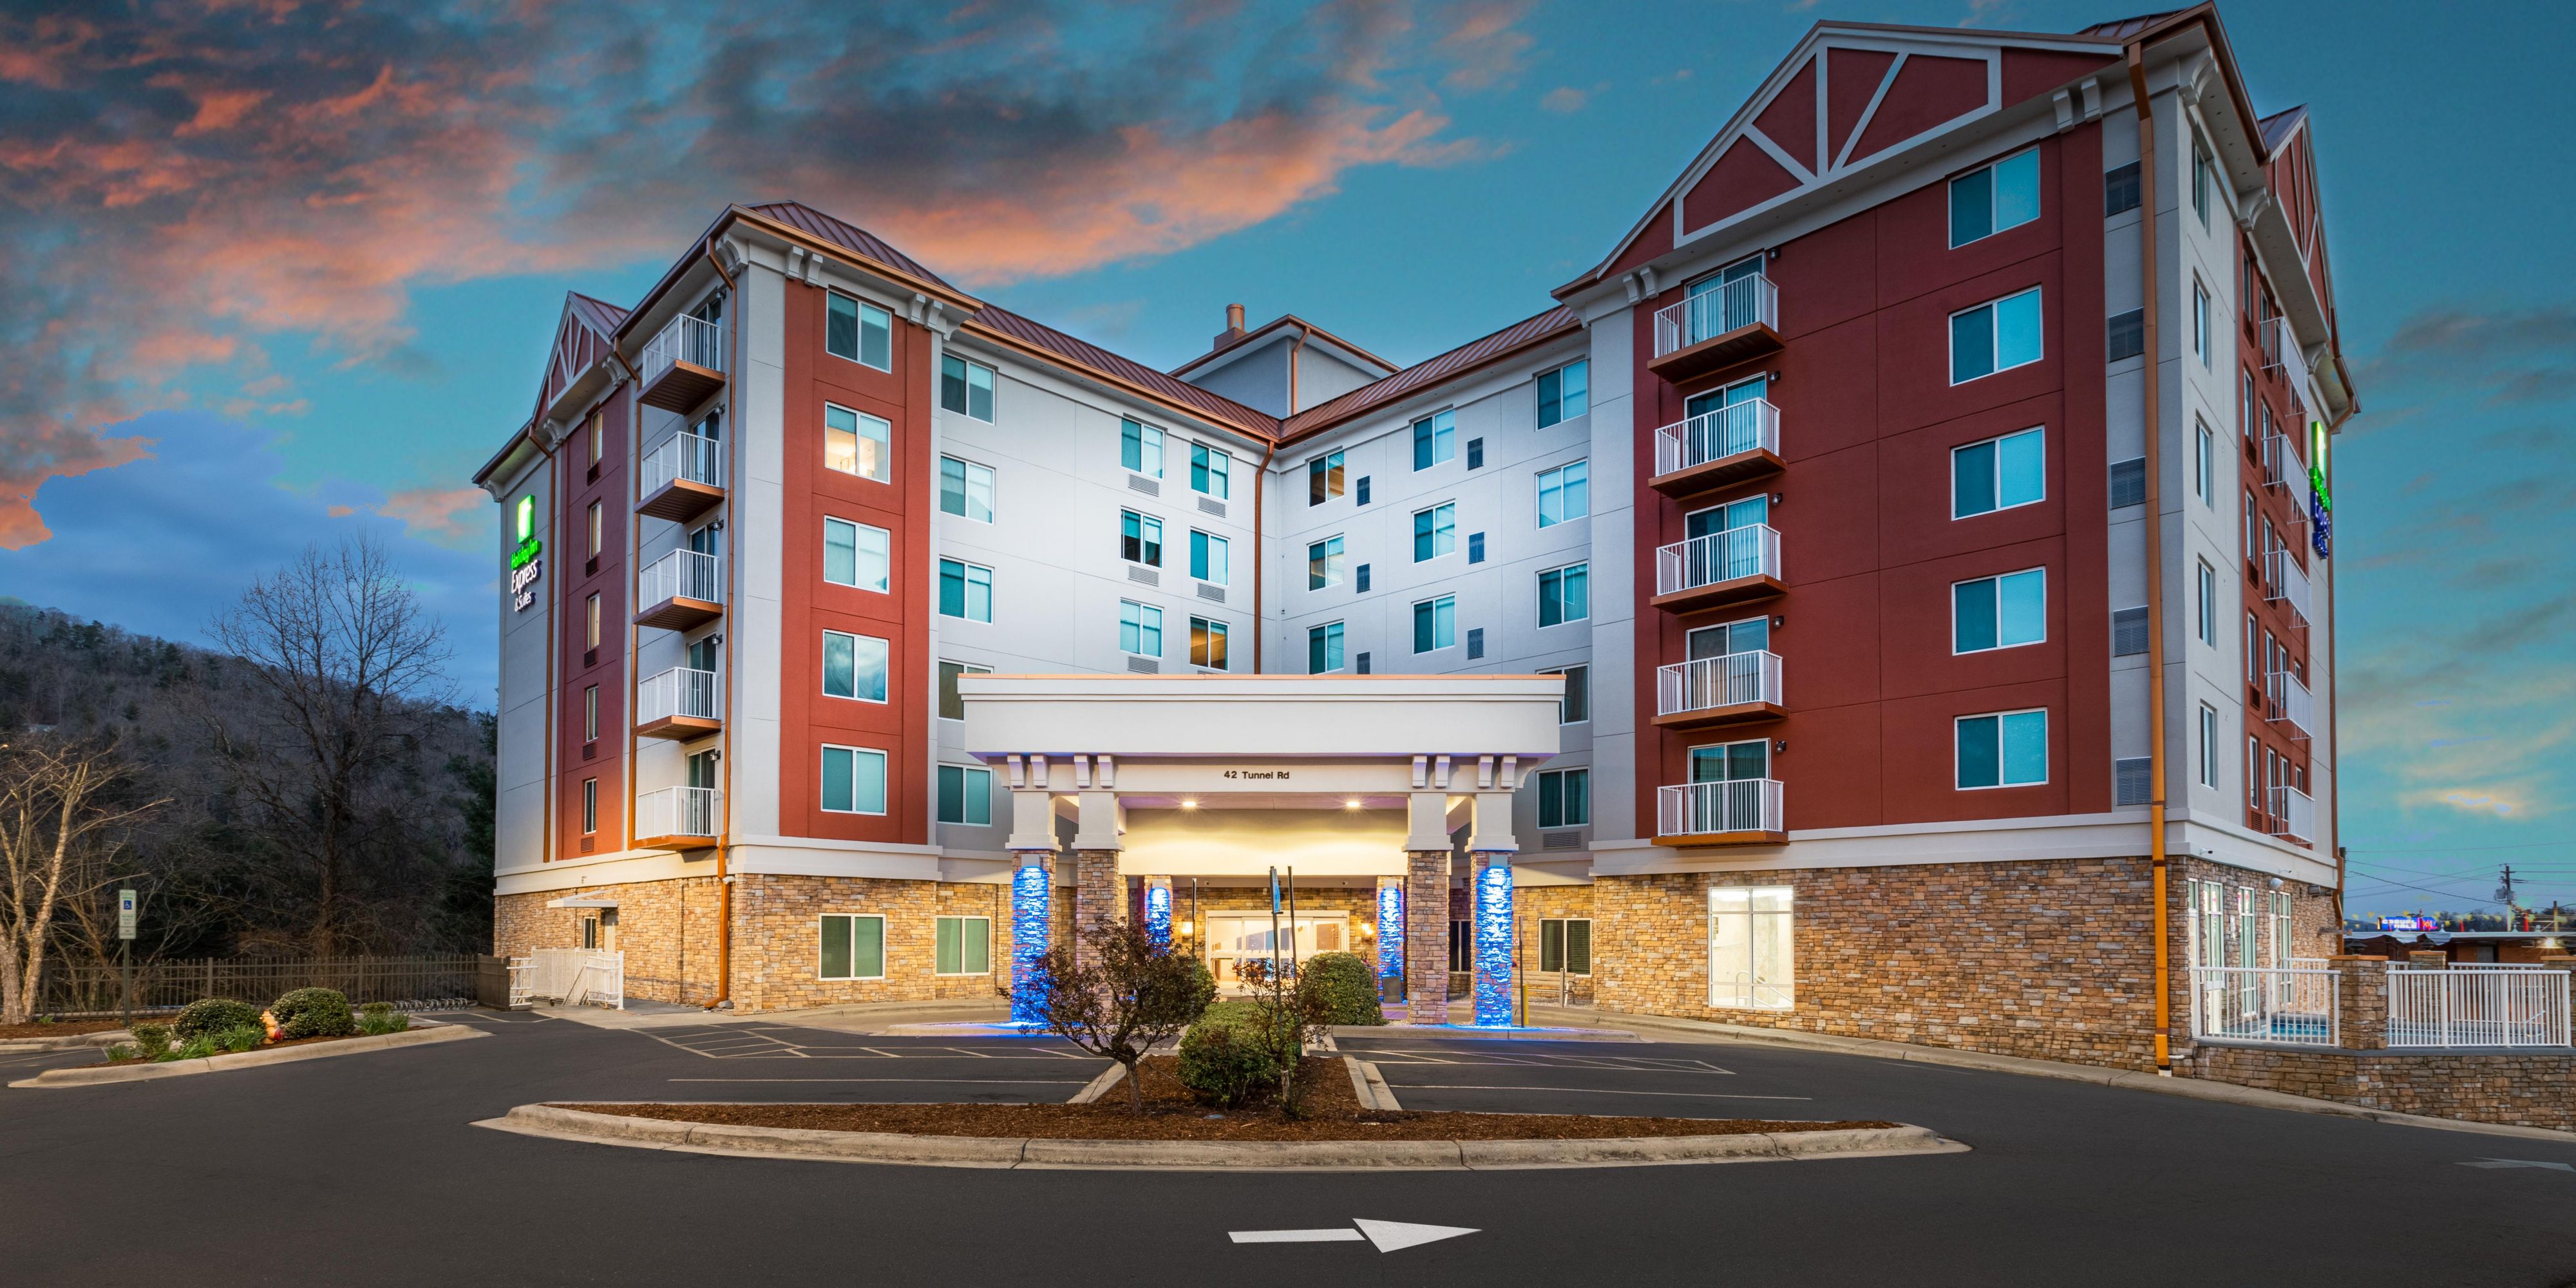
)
(312, 1049)
(1334, 1133)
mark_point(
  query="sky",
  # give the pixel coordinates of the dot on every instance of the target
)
(278, 272)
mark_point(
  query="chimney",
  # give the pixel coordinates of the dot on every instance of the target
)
(1233, 327)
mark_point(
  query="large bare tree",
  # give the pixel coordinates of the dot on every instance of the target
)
(346, 668)
(63, 809)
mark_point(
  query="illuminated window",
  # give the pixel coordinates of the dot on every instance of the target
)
(1752, 959)
(857, 443)
(1207, 643)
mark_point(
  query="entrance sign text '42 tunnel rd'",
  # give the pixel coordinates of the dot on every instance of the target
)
(1387, 1235)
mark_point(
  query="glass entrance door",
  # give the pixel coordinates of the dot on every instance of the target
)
(1235, 939)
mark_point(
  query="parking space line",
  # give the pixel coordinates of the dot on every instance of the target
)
(968, 1082)
(1588, 1091)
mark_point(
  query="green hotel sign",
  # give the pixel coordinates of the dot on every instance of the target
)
(525, 566)
(2320, 501)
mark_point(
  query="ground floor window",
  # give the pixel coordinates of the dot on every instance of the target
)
(1565, 944)
(1751, 962)
(2282, 952)
(850, 946)
(965, 946)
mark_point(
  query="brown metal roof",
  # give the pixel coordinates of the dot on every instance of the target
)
(2123, 28)
(848, 236)
(1422, 375)
(1083, 353)
(2277, 127)
(597, 314)
(1287, 320)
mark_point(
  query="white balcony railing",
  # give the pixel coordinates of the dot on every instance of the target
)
(2284, 580)
(2265, 1004)
(2294, 814)
(683, 457)
(695, 341)
(1731, 430)
(681, 574)
(2483, 1006)
(2291, 702)
(1702, 809)
(2280, 461)
(1750, 551)
(1726, 307)
(679, 811)
(1729, 681)
(2280, 344)
(680, 691)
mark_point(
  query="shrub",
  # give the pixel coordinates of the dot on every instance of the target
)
(314, 1013)
(121, 1051)
(381, 1018)
(196, 1048)
(214, 1015)
(1226, 1059)
(150, 1040)
(246, 1038)
(1344, 988)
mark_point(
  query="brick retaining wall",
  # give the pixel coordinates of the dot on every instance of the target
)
(2520, 1088)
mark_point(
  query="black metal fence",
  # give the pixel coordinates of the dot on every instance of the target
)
(169, 984)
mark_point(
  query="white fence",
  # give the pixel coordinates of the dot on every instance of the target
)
(1714, 312)
(679, 811)
(570, 976)
(2477, 1006)
(681, 574)
(1750, 551)
(694, 458)
(1731, 430)
(2294, 1005)
(695, 341)
(1732, 680)
(1699, 809)
(680, 691)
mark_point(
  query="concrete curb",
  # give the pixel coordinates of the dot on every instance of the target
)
(33, 1046)
(2189, 1088)
(1098, 1087)
(1474, 1034)
(558, 1123)
(92, 1075)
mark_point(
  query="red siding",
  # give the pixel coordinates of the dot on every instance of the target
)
(1745, 176)
(1790, 120)
(1929, 90)
(1852, 77)
(577, 577)
(2032, 72)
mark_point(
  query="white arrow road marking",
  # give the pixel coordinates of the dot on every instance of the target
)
(2519, 1162)
(1391, 1235)
(1334, 1235)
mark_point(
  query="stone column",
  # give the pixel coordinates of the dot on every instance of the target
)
(1032, 929)
(1489, 894)
(2361, 1002)
(1099, 889)
(2428, 959)
(1426, 937)
(1158, 909)
(1390, 935)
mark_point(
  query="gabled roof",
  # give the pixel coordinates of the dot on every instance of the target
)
(1282, 322)
(2279, 126)
(597, 314)
(585, 335)
(1422, 375)
(2123, 28)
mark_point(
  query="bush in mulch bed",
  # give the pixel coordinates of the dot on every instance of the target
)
(1172, 1113)
(209, 1016)
(1344, 987)
(1226, 1059)
(313, 1013)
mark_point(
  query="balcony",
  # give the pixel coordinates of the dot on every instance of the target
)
(678, 818)
(1715, 448)
(1730, 323)
(679, 590)
(683, 478)
(2287, 701)
(679, 703)
(2294, 815)
(2280, 461)
(1718, 690)
(1720, 568)
(1745, 812)
(2280, 344)
(2284, 581)
(683, 366)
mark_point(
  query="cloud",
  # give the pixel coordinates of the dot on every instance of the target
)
(1484, 40)
(450, 516)
(1564, 98)
(2507, 356)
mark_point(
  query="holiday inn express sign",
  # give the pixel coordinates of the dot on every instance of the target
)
(526, 565)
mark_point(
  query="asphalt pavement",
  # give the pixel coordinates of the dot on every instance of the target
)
(365, 1170)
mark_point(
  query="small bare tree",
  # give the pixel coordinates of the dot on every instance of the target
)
(1136, 996)
(347, 667)
(1295, 1014)
(61, 820)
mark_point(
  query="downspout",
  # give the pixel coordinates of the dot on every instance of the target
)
(2156, 858)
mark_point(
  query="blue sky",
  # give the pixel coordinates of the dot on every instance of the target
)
(293, 280)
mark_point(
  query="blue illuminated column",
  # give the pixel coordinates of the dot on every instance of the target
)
(1390, 929)
(1158, 910)
(1032, 928)
(1491, 893)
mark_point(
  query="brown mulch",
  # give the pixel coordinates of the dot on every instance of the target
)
(1332, 1113)
(264, 1046)
(57, 1029)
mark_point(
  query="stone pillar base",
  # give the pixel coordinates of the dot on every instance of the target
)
(1099, 901)
(1426, 936)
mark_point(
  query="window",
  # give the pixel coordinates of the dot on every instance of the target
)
(858, 331)
(1564, 594)
(2128, 631)
(1435, 532)
(2119, 189)
(2204, 462)
(1323, 648)
(1435, 439)
(963, 946)
(853, 780)
(1475, 547)
(1576, 706)
(1475, 453)
(1751, 962)
(1207, 643)
(1999, 612)
(590, 714)
(1360, 578)
(966, 388)
(1208, 471)
(1987, 201)
(2206, 586)
(1360, 490)
(855, 554)
(1360, 664)
(1435, 624)
(965, 795)
(966, 489)
(965, 590)
(1999, 473)
(2200, 183)
(1996, 336)
(2200, 345)
(1565, 944)
(1210, 558)
(2208, 745)
(597, 439)
(857, 443)
(952, 706)
(1564, 797)
(590, 613)
(2128, 482)
(1462, 946)
(1564, 493)
(1323, 563)
(2009, 749)
(2253, 528)
(1140, 628)
(589, 806)
(2253, 656)
(1140, 448)
(2245, 403)
(1323, 478)
(854, 666)
(849, 946)
(1140, 538)
(2126, 336)
(1564, 393)
(2132, 780)
(1475, 642)
(597, 527)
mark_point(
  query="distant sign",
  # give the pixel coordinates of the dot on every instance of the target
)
(125, 914)
(2409, 923)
